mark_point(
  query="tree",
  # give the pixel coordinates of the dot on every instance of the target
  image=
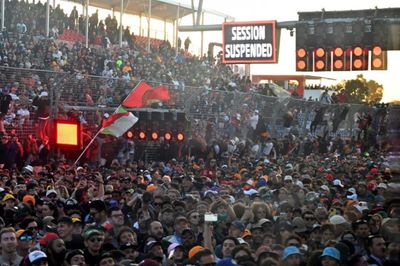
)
(360, 90)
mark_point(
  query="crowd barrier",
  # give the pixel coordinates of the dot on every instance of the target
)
(93, 95)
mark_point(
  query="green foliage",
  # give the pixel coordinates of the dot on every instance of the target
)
(362, 91)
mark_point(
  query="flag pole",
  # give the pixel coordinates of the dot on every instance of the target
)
(98, 132)
(87, 147)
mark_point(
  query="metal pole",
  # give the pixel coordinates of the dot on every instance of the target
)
(87, 25)
(176, 30)
(48, 18)
(202, 35)
(121, 13)
(148, 28)
(2, 14)
(165, 30)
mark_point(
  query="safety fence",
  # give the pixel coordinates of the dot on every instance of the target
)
(91, 96)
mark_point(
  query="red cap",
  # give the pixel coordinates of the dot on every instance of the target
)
(47, 237)
(373, 170)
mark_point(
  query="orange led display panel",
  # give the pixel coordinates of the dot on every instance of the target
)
(67, 134)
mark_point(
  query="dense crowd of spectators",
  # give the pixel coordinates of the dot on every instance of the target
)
(229, 195)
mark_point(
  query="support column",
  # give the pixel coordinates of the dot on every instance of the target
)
(121, 13)
(148, 27)
(48, 18)
(176, 30)
(3, 6)
(87, 25)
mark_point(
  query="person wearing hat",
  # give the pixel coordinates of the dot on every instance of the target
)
(153, 250)
(291, 256)
(38, 258)
(131, 252)
(75, 257)
(8, 245)
(176, 254)
(330, 257)
(93, 241)
(25, 242)
(107, 259)
(65, 229)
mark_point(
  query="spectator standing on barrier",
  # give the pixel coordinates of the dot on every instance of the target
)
(42, 104)
(73, 17)
(325, 97)
(187, 44)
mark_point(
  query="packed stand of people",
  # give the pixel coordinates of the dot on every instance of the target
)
(327, 208)
(240, 199)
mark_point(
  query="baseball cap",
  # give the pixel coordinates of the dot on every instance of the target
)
(291, 250)
(171, 249)
(331, 252)
(92, 232)
(8, 197)
(193, 251)
(29, 198)
(288, 178)
(382, 185)
(150, 245)
(47, 237)
(338, 219)
(43, 94)
(36, 255)
(337, 182)
(50, 191)
(238, 224)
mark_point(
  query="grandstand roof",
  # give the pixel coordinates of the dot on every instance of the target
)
(160, 9)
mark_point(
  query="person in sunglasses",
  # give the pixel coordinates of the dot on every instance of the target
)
(93, 240)
(25, 240)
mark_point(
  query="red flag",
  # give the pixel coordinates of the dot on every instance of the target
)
(134, 99)
(159, 94)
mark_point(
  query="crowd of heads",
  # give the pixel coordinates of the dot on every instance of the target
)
(221, 201)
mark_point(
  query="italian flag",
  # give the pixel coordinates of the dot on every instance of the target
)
(118, 123)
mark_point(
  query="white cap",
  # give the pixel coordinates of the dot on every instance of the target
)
(361, 206)
(51, 191)
(288, 178)
(29, 168)
(36, 255)
(337, 219)
(325, 187)
(337, 182)
(43, 94)
(250, 192)
(382, 185)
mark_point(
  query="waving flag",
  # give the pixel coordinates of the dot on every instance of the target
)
(134, 99)
(159, 94)
(118, 123)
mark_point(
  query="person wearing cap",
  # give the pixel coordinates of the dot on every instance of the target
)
(330, 257)
(65, 229)
(180, 224)
(106, 259)
(25, 242)
(176, 254)
(55, 250)
(361, 231)
(93, 240)
(291, 256)
(38, 258)
(340, 223)
(189, 238)
(75, 257)
(236, 229)
(153, 250)
(8, 244)
(131, 252)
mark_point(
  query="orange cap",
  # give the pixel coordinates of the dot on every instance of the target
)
(151, 187)
(193, 251)
(29, 198)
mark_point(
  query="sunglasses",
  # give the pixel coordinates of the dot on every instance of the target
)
(98, 239)
(24, 238)
(32, 228)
